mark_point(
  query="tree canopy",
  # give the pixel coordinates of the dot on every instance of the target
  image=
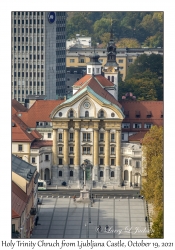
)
(152, 186)
(145, 27)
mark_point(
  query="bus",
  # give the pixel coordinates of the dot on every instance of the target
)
(42, 185)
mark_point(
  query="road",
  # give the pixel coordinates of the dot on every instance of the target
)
(96, 193)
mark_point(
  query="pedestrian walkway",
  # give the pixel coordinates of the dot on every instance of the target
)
(64, 218)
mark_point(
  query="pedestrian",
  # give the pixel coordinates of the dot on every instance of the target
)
(106, 228)
(99, 228)
(74, 197)
(146, 219)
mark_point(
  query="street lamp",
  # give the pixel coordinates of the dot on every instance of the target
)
(83, 166)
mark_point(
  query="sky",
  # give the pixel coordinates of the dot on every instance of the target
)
(5, 100)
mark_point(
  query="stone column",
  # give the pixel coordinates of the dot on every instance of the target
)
(107, 154)
(55, 149)
(77, 156)
(96, 158)
(65, 159)
(118, 158)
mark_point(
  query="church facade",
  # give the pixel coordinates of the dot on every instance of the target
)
(87, 128)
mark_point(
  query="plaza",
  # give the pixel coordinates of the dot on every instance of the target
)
(62, 218)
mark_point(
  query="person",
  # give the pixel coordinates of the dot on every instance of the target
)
(99, 228)
(74, 197)
(146, 219)
(106, 228)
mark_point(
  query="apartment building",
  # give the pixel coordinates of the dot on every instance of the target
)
(38, 54)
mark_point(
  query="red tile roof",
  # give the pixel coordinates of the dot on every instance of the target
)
(19, 199)
(103, 81)
(36, 134)
(18, 106)
(137, 137)
(41, 143)
(144, 107)
(14, 214)
(19, 134)
(39, 111)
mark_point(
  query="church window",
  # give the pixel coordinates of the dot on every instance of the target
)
(86, 113)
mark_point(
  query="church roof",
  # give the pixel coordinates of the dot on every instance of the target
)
(104, 82)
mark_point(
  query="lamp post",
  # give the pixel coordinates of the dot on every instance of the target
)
(84, 165)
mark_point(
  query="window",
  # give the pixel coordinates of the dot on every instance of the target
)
(147, 125)
(71, 161)
(86, 113)
(123, 137)
(112, 150)
(101, 136)
(60, 149)
(101, 114)
(101, 173)
(101, 150)
(137, 113)
(125, 125)
(71, 113)
(113, 162)
(60, 137)
(49, 135)
(46, 157)
(72, 60)
(89, 70)
(33, 159)
(20, 147)
(13, 228)
(126, 161)
(81, 60)
(130, 60)
(71, 150)
(86, 150)
(60, 173)
(120, 61)
(137, 164)
(109, 78)
(97, 70)
(71, 136)
(71, 173)
(112, 78)
(101, 161)
(60, 162)
(137, 125)
(86, 136)
(112, 137)
(112, 172)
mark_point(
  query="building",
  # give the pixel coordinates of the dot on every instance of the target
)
(79, 57)
(38, 54)
(24, 197)
(79, 42)
(92, 129)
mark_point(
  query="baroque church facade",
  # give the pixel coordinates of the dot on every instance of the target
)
(87, 128)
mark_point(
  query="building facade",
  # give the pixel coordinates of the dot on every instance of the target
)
(38, 54)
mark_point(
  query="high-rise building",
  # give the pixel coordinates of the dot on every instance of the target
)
(38, 54)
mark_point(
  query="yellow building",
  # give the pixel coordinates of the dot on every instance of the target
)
(79, 57)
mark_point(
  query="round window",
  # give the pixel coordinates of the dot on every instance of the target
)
(86, 105)
(112, 115)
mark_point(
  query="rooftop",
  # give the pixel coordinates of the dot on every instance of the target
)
(22, 168)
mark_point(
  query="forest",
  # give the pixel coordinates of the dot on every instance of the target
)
(130, 29)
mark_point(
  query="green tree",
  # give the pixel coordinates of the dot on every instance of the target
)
(154, 41)
(152, 186)
(105, 39)
(128, 42)
(102, 26)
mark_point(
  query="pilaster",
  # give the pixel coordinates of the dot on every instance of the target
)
(66, 151)
(96, 156)
(107, 154)
(55, 150)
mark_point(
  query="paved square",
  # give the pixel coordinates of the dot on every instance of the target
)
(63, 218)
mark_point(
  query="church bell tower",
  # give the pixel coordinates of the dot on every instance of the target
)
(111, 68)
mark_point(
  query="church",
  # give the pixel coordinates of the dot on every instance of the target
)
(87, 127)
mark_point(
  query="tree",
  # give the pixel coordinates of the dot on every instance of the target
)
(128, 42)
(105, 39)
(154, 41)
(152, 187)
(102, 26)
(153, 62)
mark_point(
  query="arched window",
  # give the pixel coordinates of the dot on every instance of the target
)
(71, 113)
(101, 173)
(71, 173)
(60, 173)
(109, 78)
(86, 113)
(112, 78)
(112, 173)
(126, 175)
(101, 113)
